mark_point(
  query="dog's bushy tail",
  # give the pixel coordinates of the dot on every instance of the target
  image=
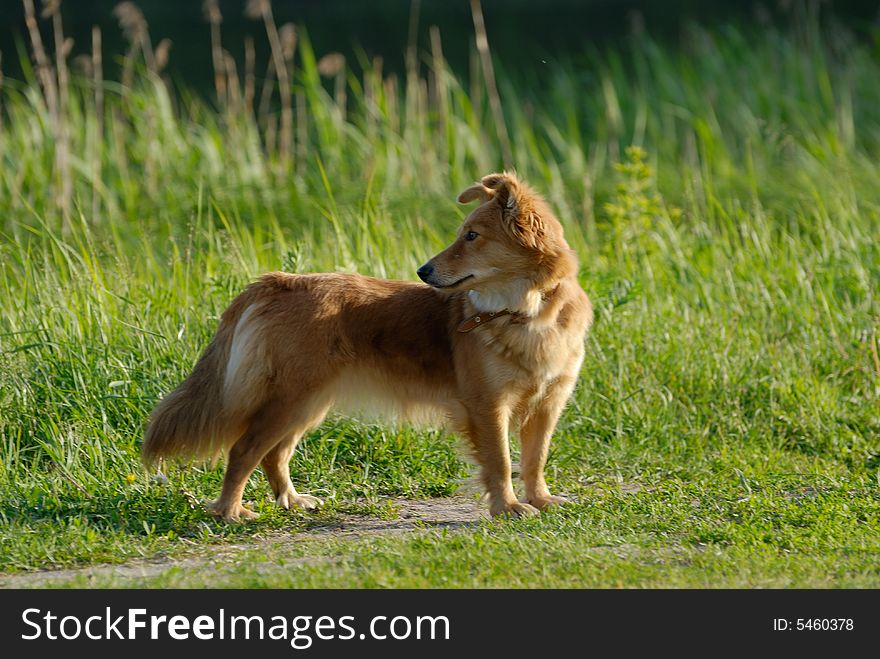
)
(203, 416)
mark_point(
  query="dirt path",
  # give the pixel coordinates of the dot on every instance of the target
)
(414, 516)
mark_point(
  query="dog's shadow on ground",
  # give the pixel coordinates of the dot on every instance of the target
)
(452, 513)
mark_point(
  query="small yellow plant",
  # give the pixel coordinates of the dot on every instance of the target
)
(637, 204)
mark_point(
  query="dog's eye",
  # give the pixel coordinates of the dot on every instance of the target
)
(471, 235)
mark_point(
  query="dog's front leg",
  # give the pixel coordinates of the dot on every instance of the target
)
(488, 434)
(535, 436)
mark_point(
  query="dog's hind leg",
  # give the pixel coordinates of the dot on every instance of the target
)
(268, 427)
(276, 466)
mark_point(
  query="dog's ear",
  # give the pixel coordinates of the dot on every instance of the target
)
(493, 186)
(477, 191)
(518, 211)
(503, 187)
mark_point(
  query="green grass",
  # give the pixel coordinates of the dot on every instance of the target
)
(726, 427)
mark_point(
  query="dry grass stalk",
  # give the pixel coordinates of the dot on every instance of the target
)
(44, 68)
(373, 92)
(302, 130)
(438, 93)
(263, 9)
(474, 76)
(390, 90)
(439, 87)
(491, 86)
(412, 62)
(266, 94)
(163, 49)
(211, 10)
(97, 148)
(412, 66)
(287, 36)
(62, 49)
(82, 64)
(249, 74)
(288, 39)
(271, 133)
(50, 8)
(136, 30)
(50, 95)
(332, 65)
(1, 93)
(875, 342)
(254, 9)
(233, 89)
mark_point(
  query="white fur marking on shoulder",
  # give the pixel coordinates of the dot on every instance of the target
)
(515, 296)
(242, 347)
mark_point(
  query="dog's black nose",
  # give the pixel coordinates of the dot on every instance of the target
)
(425, 272)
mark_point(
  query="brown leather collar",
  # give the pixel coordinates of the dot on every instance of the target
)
(482, 318)
(478, 319)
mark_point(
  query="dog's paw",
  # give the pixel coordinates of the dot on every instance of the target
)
(287, 500)
(230, 513)
(512, 509)
(547, 501)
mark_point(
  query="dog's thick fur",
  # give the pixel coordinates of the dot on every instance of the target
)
(292, 347)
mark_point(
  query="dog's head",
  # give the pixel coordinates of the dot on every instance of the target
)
(511, 235)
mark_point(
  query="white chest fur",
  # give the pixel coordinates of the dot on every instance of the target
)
(516, 296)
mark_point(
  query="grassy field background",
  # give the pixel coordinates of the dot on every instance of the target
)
(722, 196)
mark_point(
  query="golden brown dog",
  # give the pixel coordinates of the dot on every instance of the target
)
(494, 340)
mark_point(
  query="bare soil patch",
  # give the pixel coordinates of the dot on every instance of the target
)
(413, 516)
